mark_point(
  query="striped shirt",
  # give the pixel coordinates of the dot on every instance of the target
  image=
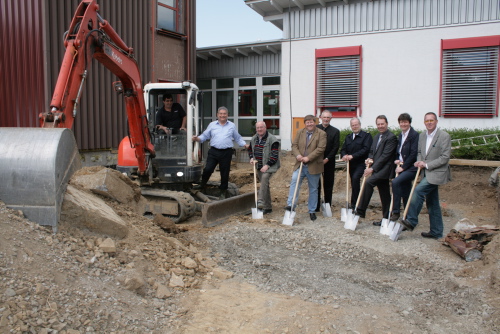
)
(258, 151)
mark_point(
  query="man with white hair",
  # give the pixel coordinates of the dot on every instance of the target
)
(264, 152)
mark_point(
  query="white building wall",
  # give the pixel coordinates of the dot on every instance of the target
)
(400, 73)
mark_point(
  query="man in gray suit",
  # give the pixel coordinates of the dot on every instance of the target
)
(434, 148)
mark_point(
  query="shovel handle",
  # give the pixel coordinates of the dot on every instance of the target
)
(255, 182)
(392, 195)
(296, 186)
(347, 186)
(363, 184)
(411, 193)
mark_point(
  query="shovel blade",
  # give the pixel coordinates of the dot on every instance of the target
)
(351, 223)
(327, 210)
(384, 227)
(288, 218)
(257, 214)
(343, 214)
(396, 232)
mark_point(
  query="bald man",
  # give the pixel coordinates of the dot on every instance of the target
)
(264, 152)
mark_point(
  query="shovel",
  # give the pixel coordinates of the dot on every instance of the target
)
(256, 212)
(290, 215)
(345, 212)
(398, 228)
(325, 207)
(387, 224)
(352, 221)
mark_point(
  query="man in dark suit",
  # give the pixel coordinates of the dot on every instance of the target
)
(332, 147)
(308, 148)
(382, 154)
(355, 151)
(434, 149)
(406, 156)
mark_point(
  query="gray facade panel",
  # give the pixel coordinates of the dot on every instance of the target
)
(340, 18)
(239, 66)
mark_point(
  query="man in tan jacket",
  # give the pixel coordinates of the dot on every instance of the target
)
(308, 147)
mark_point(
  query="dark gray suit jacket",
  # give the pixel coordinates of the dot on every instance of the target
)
(437, 158)
(383, 154)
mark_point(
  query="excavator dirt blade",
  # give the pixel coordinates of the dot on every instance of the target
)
(36, 165)
(216, 212)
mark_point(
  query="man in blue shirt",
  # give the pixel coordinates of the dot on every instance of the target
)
(221, 134)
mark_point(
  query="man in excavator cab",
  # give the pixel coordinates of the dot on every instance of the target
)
(171, 118)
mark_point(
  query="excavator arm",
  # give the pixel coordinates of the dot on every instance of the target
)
(37, 163)
(88, 37)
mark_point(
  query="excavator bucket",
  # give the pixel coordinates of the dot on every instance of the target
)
(36, 165)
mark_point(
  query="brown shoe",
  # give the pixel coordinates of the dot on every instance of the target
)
(406, 224)
(428, 235)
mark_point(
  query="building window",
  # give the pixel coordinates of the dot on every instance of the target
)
(169, 15)
(338, 81)
(469, 77)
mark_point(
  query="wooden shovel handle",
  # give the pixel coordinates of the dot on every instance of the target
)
(392, 195)
(362, 186)
(255, 182)
(411, 193)
(347, 186)
(296, 186)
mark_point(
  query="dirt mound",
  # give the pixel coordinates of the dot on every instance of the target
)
(251, 276)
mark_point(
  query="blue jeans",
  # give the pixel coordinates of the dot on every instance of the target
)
(312, 182)
(430, 193)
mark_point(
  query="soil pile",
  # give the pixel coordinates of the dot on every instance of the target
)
(252, 276)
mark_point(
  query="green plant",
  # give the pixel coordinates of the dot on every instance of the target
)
(474, 144)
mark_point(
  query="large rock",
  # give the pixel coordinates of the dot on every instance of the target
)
(112, 184)
(84, 210)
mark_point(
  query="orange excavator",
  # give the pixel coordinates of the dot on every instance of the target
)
(40, 161)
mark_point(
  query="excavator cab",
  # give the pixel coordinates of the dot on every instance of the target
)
(176, 165)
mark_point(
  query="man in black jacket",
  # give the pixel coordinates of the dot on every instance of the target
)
(382, 153)
(355, 151)
(406, 155)
(332, 147)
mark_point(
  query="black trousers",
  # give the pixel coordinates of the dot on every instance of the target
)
(384, 191)
(356, 171)
(328, 180)
(223, 159)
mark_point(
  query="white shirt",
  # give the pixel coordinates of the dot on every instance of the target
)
(403, 139)
(429, 140)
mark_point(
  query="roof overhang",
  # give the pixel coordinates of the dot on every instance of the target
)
(245, 50)
(273, 10)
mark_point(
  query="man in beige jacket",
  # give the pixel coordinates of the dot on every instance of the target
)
(308, 148)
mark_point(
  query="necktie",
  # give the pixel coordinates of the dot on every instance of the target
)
(308, 136)
(378, 143)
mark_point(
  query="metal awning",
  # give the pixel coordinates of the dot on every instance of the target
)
(272, 10)
(244, 50)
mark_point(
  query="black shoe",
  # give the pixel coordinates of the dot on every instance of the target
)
(378, 223)
(222, 195)
(288, 208)
(428, 235)
(200, 186)
(395, 216)
(360, 214)
(312, 216)
(406, 224)
(266, 211)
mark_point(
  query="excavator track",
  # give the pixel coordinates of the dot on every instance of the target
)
(176, 205)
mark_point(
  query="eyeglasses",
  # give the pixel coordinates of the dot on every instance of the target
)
(430, 121)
